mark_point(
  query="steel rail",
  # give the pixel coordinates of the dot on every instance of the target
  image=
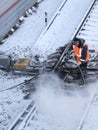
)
(65, 52)
(28, 116)
(23, 117)
(49, 24)
(29, 111)
(75, 33)
(82, 121)
(51, 21)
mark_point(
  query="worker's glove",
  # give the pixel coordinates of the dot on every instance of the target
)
(82, 61)
(72, 51)
(72, 55)
(78, 63)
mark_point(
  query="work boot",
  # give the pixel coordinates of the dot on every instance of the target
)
(81, 82)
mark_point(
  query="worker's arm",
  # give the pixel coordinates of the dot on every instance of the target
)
(84, 53)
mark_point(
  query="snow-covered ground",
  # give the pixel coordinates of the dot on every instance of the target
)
(24, 42)
(57, 109)
(11, 101)
(20, 43)
(92, 28)
(91, 122)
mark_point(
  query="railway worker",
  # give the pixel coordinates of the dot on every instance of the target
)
(81, 52)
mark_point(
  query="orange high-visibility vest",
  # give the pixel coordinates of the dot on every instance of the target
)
(77, 52)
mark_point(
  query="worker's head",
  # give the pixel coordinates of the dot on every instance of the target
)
(76, 41)
(82, 40)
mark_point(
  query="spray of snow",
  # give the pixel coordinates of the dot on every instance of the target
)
(55, 106)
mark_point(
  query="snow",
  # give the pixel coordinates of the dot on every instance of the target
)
(92, 28)
(11, 101)
(26, 36)
(58, 107)
(60, 33)
(91, 119)
(57, 34)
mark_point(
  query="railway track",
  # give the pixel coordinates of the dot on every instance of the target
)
(82, 121)
(55, 60)
(35, 69)
(22, 119)
(30, 110)
(77, 32)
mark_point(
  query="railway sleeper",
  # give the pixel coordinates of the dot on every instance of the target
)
(57, 56)
(54, 54)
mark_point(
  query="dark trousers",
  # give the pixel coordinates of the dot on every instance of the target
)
(83, 68)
